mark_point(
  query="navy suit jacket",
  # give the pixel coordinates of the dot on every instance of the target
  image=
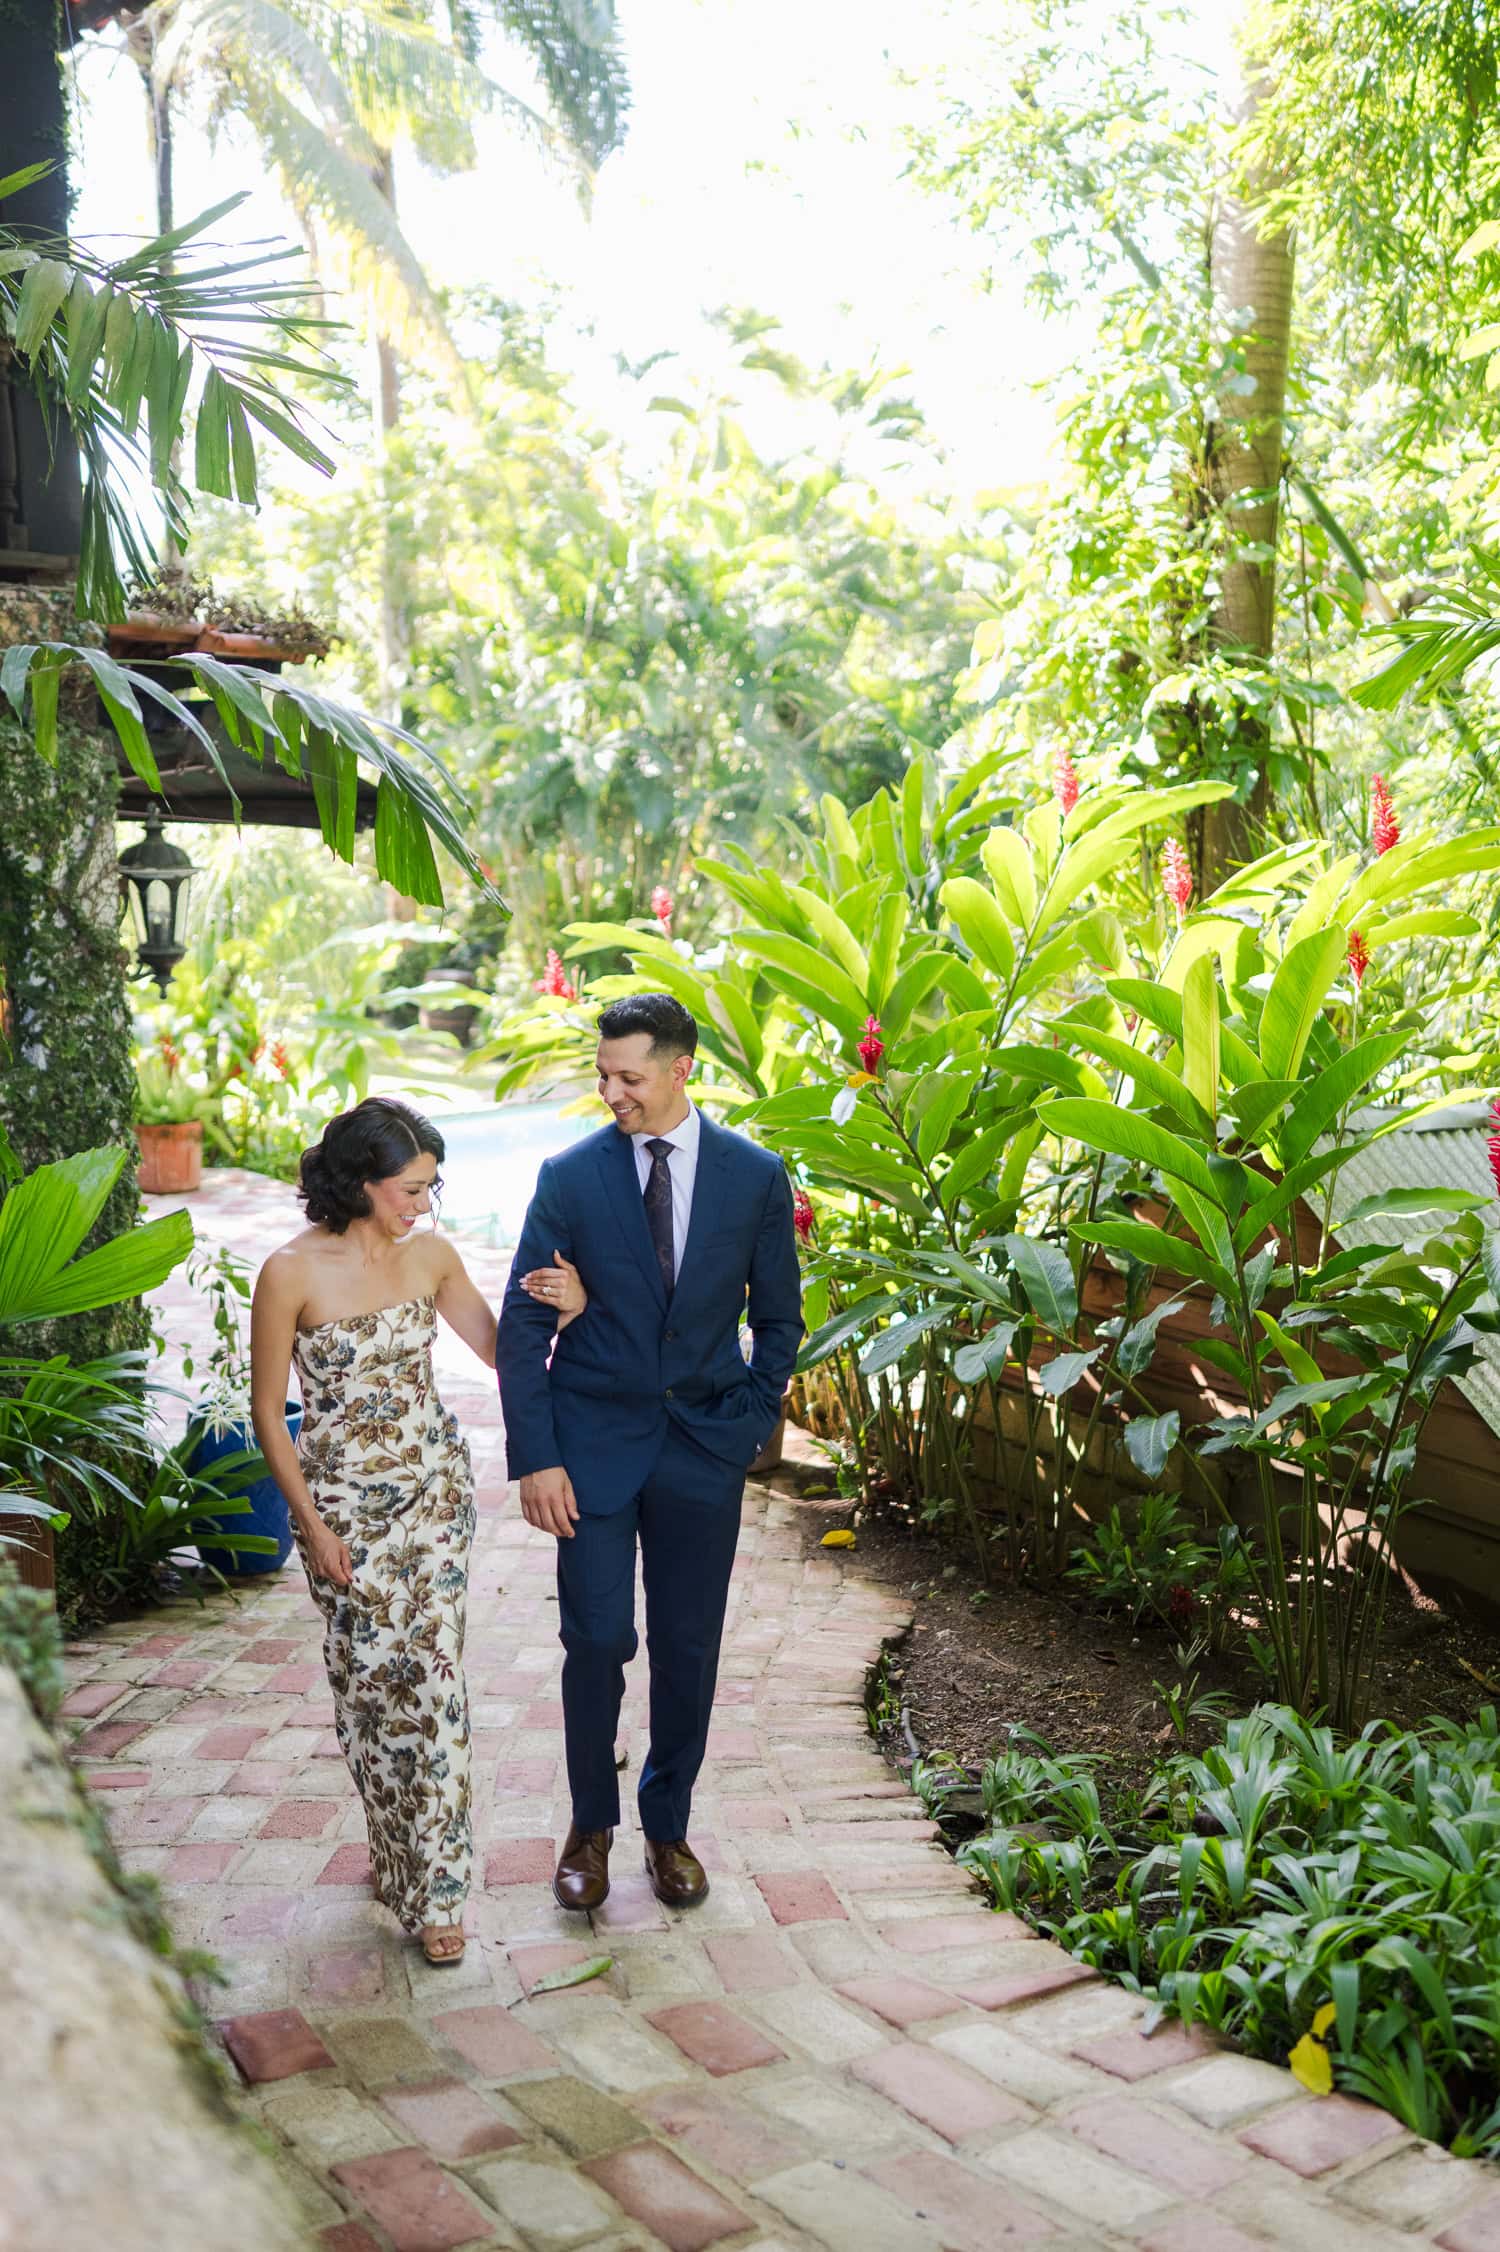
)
(637, 1361)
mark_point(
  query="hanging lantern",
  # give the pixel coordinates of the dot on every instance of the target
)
(157, 875)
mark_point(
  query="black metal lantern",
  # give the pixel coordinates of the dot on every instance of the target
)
(157, 875)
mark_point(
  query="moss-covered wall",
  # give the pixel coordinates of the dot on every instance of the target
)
(66, 1081)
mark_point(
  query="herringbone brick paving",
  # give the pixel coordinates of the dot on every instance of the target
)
(842, 2048)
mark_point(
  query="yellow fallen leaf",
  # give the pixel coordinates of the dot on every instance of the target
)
(842, 1538)
(1310, 2064)
(1324, 2019)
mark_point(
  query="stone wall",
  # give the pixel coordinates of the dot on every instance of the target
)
(118, 2130)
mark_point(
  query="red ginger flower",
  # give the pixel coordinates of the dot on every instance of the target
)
(872, 1047)
(1176, 876)
(1359, 957)
(170, 1053)
(1065, 782)
(1385, 830)
(557, 979)
(1181, 1603)
(661, 907)
(281, 1060)
(1494, 1146)
(804, 1219)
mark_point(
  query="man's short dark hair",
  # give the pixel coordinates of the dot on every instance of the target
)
(673, 1029)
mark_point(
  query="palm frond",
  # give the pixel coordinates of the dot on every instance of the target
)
(113, 350)
(264, 715)
(574, 46)
(333, 190)
(1437, 645)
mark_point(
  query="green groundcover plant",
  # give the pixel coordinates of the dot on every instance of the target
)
(1329, 1902)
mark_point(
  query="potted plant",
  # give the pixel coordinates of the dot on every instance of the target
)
(170, 1112)
(220, 1442)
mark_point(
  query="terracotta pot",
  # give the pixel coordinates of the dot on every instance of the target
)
(144, 634)
(171, 1158)
(248, 647)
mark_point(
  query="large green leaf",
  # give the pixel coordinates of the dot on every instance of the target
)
(846, 1323)
(1045, 1273)
(810, 976)
(1200, 1036)
(1124, 1133)
(985, 1356)
(1296, 999)
(910, 990)
(1160, 1006)
(894, 1343)
(1007, 863)
(831, 931)
(1154, 1083)
(1154, 1247)
(1413, 866)
(1149, 1440)
(47, 1216)
(981, 925)
(1321, 1100)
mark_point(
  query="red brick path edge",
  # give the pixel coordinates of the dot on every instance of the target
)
(842, 2048)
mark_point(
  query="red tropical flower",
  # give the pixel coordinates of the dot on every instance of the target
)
(1065, 781)
(1176, 876)
(1359, 957)
(557, 979)
(1181, 1603)
(872, 1047)
(171, 1055)
(281, 1059)
(1385, 830)
(661, 907)
(804, 1219)
(1494, 1146)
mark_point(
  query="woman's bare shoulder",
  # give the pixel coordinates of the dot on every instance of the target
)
(286, 1271)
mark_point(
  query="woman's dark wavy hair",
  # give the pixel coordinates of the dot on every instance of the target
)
(373, 1142)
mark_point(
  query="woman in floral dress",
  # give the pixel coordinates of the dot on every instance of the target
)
(380, 1487)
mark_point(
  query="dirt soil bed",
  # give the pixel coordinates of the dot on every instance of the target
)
(978, 1663)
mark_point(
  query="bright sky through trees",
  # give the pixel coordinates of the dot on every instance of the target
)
(763, 168)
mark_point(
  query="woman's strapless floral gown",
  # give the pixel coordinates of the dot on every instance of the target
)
(391, 1477)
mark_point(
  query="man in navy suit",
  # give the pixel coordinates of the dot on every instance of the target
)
(644, 1423)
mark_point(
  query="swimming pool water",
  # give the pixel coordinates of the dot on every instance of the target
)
(491, 1162)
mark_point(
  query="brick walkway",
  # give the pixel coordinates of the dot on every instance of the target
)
(841, 2048)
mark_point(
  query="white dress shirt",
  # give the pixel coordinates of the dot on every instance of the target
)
(682, 1165)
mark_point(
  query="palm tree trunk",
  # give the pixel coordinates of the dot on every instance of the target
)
(140, 42)
(1252, 275)
(394, 628)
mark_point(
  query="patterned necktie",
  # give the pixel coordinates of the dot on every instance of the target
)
(658, 1200)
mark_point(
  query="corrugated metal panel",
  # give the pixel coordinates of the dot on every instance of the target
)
(1447, 1150)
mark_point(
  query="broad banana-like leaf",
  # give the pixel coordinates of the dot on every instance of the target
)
(1296, 999)
(1200, 1038)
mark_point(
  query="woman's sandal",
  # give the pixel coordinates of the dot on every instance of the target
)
(443, 1943)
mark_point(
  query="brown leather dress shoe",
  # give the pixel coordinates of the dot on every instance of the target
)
(582, 1876)
(677, 1875)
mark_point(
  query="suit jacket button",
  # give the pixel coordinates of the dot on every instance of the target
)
(668, 1335)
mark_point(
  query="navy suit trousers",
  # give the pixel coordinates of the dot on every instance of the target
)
(686, 1520)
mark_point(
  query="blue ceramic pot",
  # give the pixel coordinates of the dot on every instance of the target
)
(267, 1513)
